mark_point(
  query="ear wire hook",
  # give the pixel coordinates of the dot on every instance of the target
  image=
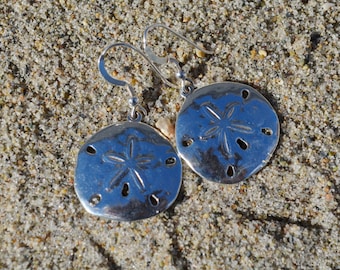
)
(185, 89)
(133, 101)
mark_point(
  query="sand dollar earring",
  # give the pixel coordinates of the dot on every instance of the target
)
(225, 131)
(127, 171)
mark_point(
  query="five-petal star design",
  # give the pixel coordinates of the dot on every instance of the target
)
(221, 123)
(128, 163)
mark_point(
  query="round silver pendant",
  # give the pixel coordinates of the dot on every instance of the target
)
(127, 171)
(226, 132)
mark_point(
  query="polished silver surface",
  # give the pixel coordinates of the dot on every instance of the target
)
(127, 171)
(226, 132)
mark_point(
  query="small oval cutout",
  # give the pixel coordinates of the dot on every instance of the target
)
(242, 144)
(91, 150)
(154, 200)
(125, 190)
(95, 199)
(170, 161)
(230, 171)
(267, 131)
(186, 142)
(245, 93)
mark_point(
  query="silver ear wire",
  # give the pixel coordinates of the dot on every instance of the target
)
(112, 80)
(163, 60)
(186, 83)
(133, 101)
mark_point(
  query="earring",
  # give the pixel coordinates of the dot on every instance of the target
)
(225, 131)
(127, 171)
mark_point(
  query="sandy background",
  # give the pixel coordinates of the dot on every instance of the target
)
(52, 99)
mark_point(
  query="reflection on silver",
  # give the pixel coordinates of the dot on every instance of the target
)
(127, 171)
(226, 132)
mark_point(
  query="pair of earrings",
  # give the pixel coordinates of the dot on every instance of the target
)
(224, 131)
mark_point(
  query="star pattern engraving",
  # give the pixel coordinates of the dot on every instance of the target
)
(221, 123)
(128, 163)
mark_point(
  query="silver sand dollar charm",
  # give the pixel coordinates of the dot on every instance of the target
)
(127, 171)
(226, 131)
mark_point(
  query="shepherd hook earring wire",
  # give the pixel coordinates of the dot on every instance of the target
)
(225, 131)
(127, 171)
